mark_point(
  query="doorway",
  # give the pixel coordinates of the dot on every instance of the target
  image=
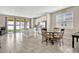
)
(15, 24)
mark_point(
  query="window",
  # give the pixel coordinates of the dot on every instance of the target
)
(19, 26)
(10, 23)
(28, 25)
(43, 24)
(17, 23)
(65, 20)
(22, 25)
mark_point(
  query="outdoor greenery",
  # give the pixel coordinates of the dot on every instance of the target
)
(17, 30)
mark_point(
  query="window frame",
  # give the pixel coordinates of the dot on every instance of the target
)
(64, 21)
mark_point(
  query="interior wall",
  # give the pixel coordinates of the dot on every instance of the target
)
(2, 21)
(32, 23)
(33, 20)
(49, 22)
(25, 25)
(68, 32)
(40, 19)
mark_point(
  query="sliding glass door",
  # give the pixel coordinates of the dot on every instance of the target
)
(17, 24)
(22, 26)
(10, 24)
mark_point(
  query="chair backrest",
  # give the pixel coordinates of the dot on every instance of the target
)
(56, 29)
(59, 34)
(62, 31)
(43, 29)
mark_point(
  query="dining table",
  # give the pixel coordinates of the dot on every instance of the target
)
(0, 41)
(75, 35)
(52, 34)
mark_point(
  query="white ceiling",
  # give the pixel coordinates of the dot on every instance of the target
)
(28, 11)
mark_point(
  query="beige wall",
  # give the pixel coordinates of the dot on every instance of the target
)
(70, 31)
(2, 21)
(49, 22)
(40, 19)
(33, 22)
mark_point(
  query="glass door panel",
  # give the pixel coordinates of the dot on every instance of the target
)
(28, 25)
(22, 26)
(19, 26)
(10, 26)
(15, 25)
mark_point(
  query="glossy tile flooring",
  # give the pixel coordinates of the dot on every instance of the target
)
(30, 42)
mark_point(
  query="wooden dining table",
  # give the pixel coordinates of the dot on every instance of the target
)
(52, 33)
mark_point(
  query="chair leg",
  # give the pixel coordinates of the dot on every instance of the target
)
(52, 41)
(46, 42)
(42, 40)
(59, 42)
(62, 42)
(0, 44)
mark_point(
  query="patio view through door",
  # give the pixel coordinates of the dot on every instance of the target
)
(10, 24)
(19, 25)
(16, 24)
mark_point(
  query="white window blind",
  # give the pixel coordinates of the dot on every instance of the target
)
(64, 20)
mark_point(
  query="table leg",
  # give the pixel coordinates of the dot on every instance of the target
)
(0, 44)
(77, 39)
(72, 41)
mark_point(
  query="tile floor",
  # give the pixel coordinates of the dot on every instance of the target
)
(30, 42)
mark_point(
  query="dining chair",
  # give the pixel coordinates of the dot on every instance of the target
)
(62, 34)
(47, 36)
(58, 36)
(56, 29)
(43, 35)
(43, 30)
